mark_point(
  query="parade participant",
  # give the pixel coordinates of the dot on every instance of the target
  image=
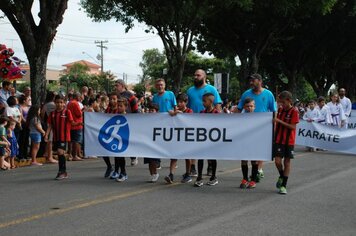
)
(121, 109)
(286, 122)
(132, 107)
(152, 162)
(312, 114)
(166, 102)
(182, 100)
(249, 106)
(195, 102)
(346, 105)
(324, 112)
(264, 102)
(113, 108)
(208, 102)
(338, 117)
(59, 121)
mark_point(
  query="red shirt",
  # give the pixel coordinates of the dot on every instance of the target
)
(283, 134)
(188, 110)
(60, 122)
(212, 111)
(111, 111)
(77, 114)
(132, 101)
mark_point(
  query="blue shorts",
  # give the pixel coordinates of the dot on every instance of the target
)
(36, 137)
(76, 136)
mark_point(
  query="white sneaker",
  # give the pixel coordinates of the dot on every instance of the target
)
(154, 178)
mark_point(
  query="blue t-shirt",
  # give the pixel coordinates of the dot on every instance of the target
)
(264, 101)
(195, 97)
(166, 101)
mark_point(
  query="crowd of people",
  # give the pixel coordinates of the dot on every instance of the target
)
(59, 124)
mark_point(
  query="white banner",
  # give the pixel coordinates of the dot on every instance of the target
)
(196, 136)
(327, 137)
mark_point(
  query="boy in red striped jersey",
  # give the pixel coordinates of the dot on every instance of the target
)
(60, 122)
(285, 133)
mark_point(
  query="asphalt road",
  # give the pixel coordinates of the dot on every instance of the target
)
(321, 201)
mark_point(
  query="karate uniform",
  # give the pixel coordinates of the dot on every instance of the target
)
(337, 114)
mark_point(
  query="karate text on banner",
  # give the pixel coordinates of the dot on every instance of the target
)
(197, 136)
(326, 137)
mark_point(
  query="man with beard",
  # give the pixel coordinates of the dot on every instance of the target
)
(195, 102)
(264, 102)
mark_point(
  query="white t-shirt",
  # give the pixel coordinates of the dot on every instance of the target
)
(14, 112)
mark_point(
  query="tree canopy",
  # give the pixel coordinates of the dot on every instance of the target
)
(36, 38)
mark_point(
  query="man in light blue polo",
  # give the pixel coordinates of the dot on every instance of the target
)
(165, 100)
(196, 92)
(195, 102)
(264, 102)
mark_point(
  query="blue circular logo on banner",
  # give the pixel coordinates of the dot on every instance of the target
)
(114, 135)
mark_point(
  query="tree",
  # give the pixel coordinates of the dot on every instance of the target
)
(78, 76)
(152, 64)
(247, 31)
(175, 22)
(36, 38)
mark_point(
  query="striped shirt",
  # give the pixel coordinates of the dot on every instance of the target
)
(284, 135)
(61, 124)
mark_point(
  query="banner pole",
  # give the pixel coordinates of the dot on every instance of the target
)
(273, 124)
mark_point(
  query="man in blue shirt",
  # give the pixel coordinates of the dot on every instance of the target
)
(165, 100)
(195, 102)
(264, 102)
(196, 92)
(5, 92)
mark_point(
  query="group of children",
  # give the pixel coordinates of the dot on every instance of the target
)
(9, 147)
(331, 113)
(286, 121)
(60, 121)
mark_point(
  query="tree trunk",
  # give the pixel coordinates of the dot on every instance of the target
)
(177, 75)
(243, 74)
(292, 82)
(38, 65)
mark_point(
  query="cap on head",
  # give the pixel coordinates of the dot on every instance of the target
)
(255, 76)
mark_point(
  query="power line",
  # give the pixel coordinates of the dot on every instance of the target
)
(93, 37)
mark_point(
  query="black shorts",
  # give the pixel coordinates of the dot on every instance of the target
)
(147, 160)
(282, 150)
(59, 145)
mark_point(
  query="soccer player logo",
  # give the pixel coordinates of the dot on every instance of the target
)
(114, 135)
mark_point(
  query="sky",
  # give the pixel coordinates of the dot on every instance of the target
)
(75, 41)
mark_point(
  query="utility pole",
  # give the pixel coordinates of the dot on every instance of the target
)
(100, 44)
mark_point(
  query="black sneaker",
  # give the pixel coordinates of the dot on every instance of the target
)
(169, 179)
(107, 172)
(61, 176)
(193, 173)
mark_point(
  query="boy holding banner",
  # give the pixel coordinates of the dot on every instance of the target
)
(285, 133)
(182, 100)
(249, 106)
(117, 105)
(208, 102)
